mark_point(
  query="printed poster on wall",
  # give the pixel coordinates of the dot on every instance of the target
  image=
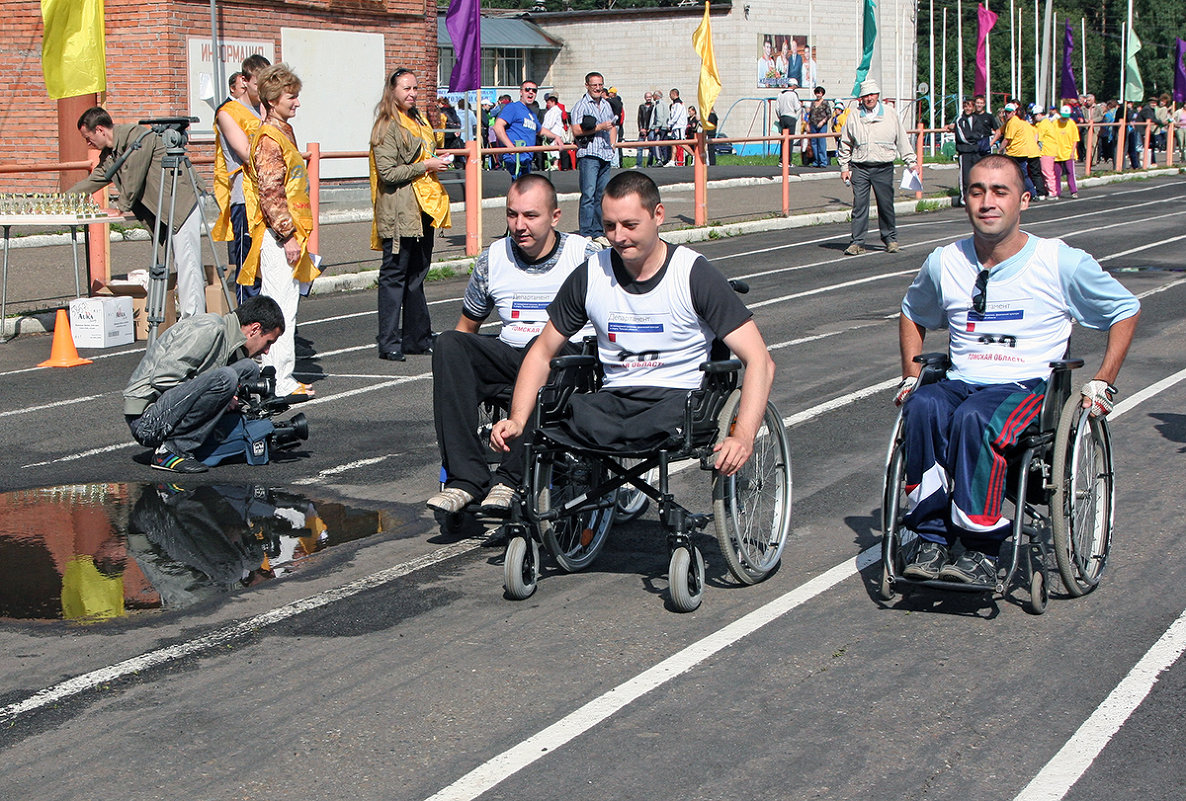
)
(782, 57)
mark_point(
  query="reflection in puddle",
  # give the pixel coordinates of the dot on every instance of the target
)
(97, 551)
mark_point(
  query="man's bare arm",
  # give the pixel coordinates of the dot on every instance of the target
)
(910, 339)
(747, 344)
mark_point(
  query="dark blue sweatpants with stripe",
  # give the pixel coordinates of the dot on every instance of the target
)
(955, 436)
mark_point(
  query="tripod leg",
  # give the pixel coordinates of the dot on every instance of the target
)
(158, 271)
(219, 270)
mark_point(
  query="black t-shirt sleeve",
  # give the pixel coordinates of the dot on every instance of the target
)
(567, 310)
(715, 301)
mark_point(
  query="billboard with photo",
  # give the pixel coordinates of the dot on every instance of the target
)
(782, 57)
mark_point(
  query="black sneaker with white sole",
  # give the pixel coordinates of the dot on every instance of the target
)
(926, 562)
(166, 460)
(972, 567)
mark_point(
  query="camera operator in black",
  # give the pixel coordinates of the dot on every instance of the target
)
(190, 376)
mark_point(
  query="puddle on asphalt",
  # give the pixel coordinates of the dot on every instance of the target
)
(93, 552)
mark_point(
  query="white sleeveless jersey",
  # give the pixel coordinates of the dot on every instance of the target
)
(521, 297)
(1026, 323)
(655, 339)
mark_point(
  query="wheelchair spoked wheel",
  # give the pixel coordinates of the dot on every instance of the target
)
(633, 502)
(521, 568)
(752, 508)
(1081, 506)
(685, 578)
(892, 499)
(573, 540)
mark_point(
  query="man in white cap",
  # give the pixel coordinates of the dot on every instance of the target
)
(869, 142)
(789, 108)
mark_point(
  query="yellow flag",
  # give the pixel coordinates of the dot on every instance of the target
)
(72, 47)
(710, 79)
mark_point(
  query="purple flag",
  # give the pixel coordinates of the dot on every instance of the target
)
(464, 23)
(1179, 72)
(1067, 88)
(985, 20)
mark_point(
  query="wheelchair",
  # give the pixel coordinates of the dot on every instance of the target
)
(1060, 487)
(570, 496)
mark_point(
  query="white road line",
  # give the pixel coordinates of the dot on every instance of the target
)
(509, 762)
(55, 404)
(1142, 247)
(87, 681)
(93, 357)
(1161, 288)
(1070, 763)
(832, 287)
(75, 456)
(342, 468)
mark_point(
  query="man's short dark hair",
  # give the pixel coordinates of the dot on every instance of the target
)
(819, 90)
(978, 97)
(254, 64)
(997, 161)
(589, 76)
(230, 82)
(263, 310)
(93, 117)
(525, 182)
(633, 182)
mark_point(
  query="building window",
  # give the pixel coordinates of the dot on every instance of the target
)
(501, 67)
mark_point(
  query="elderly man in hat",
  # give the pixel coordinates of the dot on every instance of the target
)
(869, 142)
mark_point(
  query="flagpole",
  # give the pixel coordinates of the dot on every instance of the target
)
(1083, 51)
(1020, 52)
(959, 59)
(1054, 89)
(943, 93)
(1012, 55)
(987, 66)
(1037, 39)
(931, 85)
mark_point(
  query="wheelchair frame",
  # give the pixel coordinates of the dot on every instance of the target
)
(1063, 461)
(709, 413)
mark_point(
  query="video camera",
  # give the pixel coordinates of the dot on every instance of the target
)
(173, 131)
(249, 430)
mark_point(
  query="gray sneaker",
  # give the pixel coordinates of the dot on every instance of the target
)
(450, 500)
(499, 499)
(927, 561)
(972, 567)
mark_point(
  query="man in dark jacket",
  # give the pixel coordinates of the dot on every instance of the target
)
(191, 374)
(973, 132)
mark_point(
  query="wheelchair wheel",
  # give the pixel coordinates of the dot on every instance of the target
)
(1081, 506)
(892, 502)
(521, 568)
(574, 540)
(632, 502)
(685, 578)
(752, 508)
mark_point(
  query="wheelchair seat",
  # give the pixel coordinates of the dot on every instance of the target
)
(751, 510)
(1059, 483)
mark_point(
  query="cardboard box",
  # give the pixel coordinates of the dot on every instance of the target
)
(215, 300)
(101, 322)
(139, 296)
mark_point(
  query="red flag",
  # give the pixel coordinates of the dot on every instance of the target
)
(985, 20)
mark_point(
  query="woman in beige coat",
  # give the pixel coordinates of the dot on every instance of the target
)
(409, 203)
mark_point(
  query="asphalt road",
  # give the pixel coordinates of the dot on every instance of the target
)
(393, 668)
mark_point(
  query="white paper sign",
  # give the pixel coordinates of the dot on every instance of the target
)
(911, 181)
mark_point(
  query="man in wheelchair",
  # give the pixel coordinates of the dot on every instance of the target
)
(657, 310)
(517, 277)
(1007, 299)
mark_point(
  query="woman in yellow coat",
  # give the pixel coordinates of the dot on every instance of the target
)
(409, 203)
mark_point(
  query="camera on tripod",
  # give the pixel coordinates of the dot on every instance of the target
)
(249, 430)
(173, 131)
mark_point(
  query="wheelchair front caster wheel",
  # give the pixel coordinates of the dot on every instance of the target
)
(1039, 595)
(685, 577)
(521, 568)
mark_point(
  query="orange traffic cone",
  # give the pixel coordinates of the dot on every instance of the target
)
(63, 353)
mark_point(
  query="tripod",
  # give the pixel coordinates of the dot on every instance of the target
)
(173, 132)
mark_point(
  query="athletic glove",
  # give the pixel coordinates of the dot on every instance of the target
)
(1100, 394)
(904, 389)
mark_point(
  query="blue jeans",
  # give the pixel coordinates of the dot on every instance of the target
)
(819, 147)
(237, 250)
(183, 416)
(594, 175)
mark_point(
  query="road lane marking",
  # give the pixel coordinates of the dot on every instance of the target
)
(95, 678)
(494, 771)
(55, 404)
(342, 468)
(1142, 247)
(75, 456)
(1066, 767)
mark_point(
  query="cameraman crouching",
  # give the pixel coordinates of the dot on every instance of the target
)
(190, 376)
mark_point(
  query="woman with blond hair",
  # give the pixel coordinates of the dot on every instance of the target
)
(282, 220)
(409, 202)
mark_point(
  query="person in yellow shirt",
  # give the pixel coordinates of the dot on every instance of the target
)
(1021, 145)
(1067, 138)
(1047, 144)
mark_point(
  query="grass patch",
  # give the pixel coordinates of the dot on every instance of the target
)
(927, 205)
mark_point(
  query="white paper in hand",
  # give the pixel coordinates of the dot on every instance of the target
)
(911, 182)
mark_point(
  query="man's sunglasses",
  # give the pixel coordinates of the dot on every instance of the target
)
(980, 292)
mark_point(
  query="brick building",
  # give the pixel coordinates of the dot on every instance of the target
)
(342, 49)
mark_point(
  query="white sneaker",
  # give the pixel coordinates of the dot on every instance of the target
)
(450, 500)
(499, 499)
